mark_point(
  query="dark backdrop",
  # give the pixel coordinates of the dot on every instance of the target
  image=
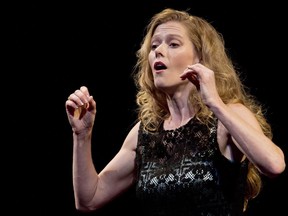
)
(57, 47)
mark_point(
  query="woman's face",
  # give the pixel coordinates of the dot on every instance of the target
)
(171, 53)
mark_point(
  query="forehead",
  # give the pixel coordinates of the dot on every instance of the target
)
(171, 27)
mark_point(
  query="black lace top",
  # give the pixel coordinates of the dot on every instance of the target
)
(182, 172)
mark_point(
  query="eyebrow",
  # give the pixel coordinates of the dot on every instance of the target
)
(177, 36)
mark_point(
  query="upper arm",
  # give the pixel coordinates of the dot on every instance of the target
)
(118, 174)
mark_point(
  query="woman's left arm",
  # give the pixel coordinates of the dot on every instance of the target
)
(248, 136)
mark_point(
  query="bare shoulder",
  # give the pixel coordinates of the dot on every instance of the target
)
(131, 139)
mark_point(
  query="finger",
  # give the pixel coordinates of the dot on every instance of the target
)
(71, 107)
(85, 91)
(194, 79)
(78, 98)
(80, 111)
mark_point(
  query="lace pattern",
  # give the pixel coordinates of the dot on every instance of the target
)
(182, 172)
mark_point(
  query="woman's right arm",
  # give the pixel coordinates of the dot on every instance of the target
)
(92, 189)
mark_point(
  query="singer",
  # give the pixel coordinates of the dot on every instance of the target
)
(201, 142)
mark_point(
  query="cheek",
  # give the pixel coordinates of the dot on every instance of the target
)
(151, 58)
(182, 61)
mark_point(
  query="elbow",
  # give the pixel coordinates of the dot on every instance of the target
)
(276, 165)
(84, 208)
(280, 167)
(275, 169)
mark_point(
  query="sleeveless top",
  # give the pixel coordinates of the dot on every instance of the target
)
(182, 172)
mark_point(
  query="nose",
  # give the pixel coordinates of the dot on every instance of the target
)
(159, 51)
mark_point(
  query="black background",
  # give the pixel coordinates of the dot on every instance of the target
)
(57, 47)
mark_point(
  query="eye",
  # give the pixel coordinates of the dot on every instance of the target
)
(154, 46)
(174, 45)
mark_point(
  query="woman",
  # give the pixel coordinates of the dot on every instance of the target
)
(201, 142)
